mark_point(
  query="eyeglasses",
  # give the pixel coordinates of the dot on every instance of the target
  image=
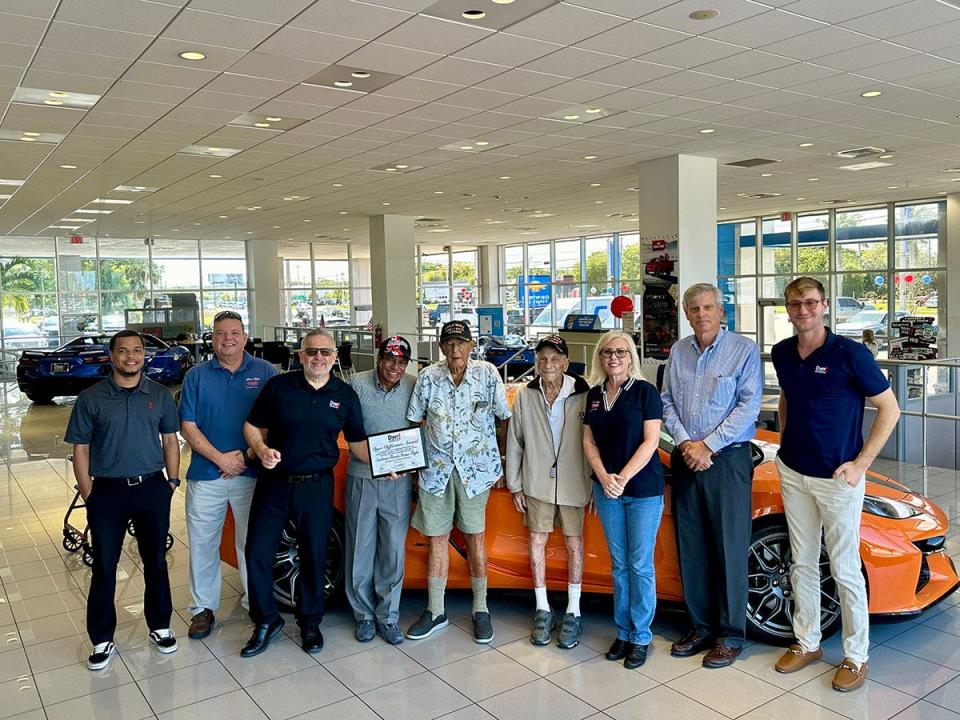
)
(607, 353)
(326, 352)
(227, 315)
(810, 304)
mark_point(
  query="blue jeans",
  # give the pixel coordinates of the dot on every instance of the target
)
(630, 525)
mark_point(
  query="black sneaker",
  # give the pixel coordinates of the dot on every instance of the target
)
(101, 656)
(366, 630)
(427, 625)
(482, 627)
(570, 630)
(544, 622)
(164, 639)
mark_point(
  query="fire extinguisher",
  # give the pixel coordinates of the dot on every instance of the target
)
(377, 336)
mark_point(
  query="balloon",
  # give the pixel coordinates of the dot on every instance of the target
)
(620, 304)
(878, 280)
(908, 278)
(926, 279)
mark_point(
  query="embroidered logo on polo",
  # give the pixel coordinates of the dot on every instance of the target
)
(820, 370)
(595, 405)
(334, 404)
(253, 382)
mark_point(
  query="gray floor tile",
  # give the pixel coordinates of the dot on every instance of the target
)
(539, 700)
(727, 690)
(236, 705)
(661, 703)
(420, 697)
(485, 675)
(124, 702)
(373, 668)
(297, 693)
(187, 686)
(601, 683)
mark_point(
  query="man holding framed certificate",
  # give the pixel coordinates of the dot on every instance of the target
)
(377, 502)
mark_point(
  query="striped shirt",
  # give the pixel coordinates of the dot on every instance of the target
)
(713, 395)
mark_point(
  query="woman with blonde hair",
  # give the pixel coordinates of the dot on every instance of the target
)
(620, 438)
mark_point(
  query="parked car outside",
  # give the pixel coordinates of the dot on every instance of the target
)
(875, 320)
(565, 306)
(17, 335)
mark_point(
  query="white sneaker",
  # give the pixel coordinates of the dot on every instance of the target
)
(101, 656)
(165, 640)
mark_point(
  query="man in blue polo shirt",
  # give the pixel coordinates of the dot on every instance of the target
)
(824, 380)
(124, 432)
(293, 428)
(214, 402)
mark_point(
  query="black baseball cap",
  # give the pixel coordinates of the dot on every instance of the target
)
(396, 346)
(455, 330)
(554, 341)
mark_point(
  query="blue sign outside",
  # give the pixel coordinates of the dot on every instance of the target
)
(538, 287)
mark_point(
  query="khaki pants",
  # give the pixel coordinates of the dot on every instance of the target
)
(812, 503)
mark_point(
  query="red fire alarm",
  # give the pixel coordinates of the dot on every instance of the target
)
(76, 240)
(786, 216)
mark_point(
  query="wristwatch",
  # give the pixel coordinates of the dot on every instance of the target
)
(174, 481)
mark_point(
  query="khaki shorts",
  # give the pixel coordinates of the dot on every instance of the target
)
(435, 514)
(543, 517)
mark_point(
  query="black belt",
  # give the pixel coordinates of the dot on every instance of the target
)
(132, 480)
(309, 477)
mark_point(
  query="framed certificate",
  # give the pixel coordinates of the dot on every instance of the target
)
(398, 451)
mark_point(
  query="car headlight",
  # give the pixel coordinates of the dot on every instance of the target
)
(885, 507)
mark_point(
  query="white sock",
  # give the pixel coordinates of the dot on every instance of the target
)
(573, 599)
(542, 602)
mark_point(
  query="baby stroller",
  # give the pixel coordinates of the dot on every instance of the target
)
(75, 539)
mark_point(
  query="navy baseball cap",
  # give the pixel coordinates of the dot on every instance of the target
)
(396, 346)
(455, 330)
(554, 341)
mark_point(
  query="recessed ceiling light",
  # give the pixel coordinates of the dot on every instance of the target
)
(766, 174)
(276, 227)
(468, 208)
(481, 143)
(703, 14)
(58, 94)
(28, 139)
(438, 192)
(502, 2)
(474, 14)
(223, 217)
(342, 83)
(598, 202)
(571, 117)
(360, 74)
(53, 102)
(504, 177)
(384, 203)
(69, 167)
(943, 192)
(466, 147)
(306, 220)
(337, 185)
(390, 169)
(805, 145)
(215, 176)
(871, 93)
(589, 157)
(261, 124)
(31, 134)
(402, 167)
(594, 184)
(270, 118)
(196, 223)
(721, 208)
(706, 131)
(139, 222)
(193, 55)
(343, 212)
(594, 111)
(812, 179)
(111, 201)
(892, 187)
(886, 157)
(214, 149)
(801, 198)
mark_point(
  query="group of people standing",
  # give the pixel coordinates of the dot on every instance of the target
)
(573, 445)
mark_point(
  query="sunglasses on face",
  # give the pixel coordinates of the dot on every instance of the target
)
(795, 305)
(227, 315)
(608, 353)
(325, 352)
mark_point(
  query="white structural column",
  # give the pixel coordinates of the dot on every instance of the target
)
(392, 270)
(952, 260)
(489, 274)
(266, 278)
(678, 199)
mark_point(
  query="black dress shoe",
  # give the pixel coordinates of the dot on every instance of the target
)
(311, 639)
(636, 657)
(262, 635)
(618, 649)
(691, 643)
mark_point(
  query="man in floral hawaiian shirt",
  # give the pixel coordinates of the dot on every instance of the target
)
(459, 398)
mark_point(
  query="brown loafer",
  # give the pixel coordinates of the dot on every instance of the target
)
(691, 643)
(849, 676)
(796, 658)
(721, 656)
(201, 624)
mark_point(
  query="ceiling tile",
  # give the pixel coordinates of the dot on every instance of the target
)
(388, 58)
(20, 29)
(275, 11)
(573, 62)
(522, 82)
(565, 24)
(90, 84)
(930, 39)
(215, 29)
(900, 19)
(575, 92)
(148, 72)
(835, 12)
(692, 52)
(460, 71)
(350, 19)
(677, 15)
(128, 15)
(309, 45)
(415, 89)
(818, 43)
(744, 65)
(433, 35)
(875, 53)
(633, 39)
(504, 48)
(764, 29)
(113, 43)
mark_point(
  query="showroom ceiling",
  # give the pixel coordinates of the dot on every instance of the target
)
(307, 116)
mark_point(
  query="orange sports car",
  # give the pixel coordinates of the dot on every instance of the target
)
(901, 546)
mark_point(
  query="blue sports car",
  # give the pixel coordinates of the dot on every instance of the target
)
(45, 374)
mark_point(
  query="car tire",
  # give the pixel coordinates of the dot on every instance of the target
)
(769, 592)
(40, 398)
(286, 565)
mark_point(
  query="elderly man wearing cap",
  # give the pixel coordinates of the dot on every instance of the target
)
(459, 398)
(550, 480)
(378, 509)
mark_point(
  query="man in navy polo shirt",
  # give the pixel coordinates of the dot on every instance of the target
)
(293, 428)
(824, 380)
(214, 402)
(124, 432)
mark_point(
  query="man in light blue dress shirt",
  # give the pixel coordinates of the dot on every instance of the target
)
(712, 389)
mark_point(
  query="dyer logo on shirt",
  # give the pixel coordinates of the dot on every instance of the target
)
(335, 405)
(820, 370)
(595, 405)
(253, 383)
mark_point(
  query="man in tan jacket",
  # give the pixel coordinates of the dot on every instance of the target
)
(549, 479)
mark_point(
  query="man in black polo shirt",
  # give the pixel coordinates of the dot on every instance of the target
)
(293, 429)
(824, 381)
(124, 432)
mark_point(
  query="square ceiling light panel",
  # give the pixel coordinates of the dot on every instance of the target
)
(267, 122)
(396, 168)
(343, 77)
(54, 98)
(487, 14)
(582, 114)
(30, 136)
(208, 151)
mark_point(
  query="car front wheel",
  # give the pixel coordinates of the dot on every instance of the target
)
(770, 599)
(286, 565)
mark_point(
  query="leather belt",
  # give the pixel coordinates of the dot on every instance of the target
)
(295, 479)
(132, 480)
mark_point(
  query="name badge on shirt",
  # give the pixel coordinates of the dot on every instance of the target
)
(553, 473)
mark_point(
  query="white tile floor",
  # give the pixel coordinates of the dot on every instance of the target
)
(914, 664)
